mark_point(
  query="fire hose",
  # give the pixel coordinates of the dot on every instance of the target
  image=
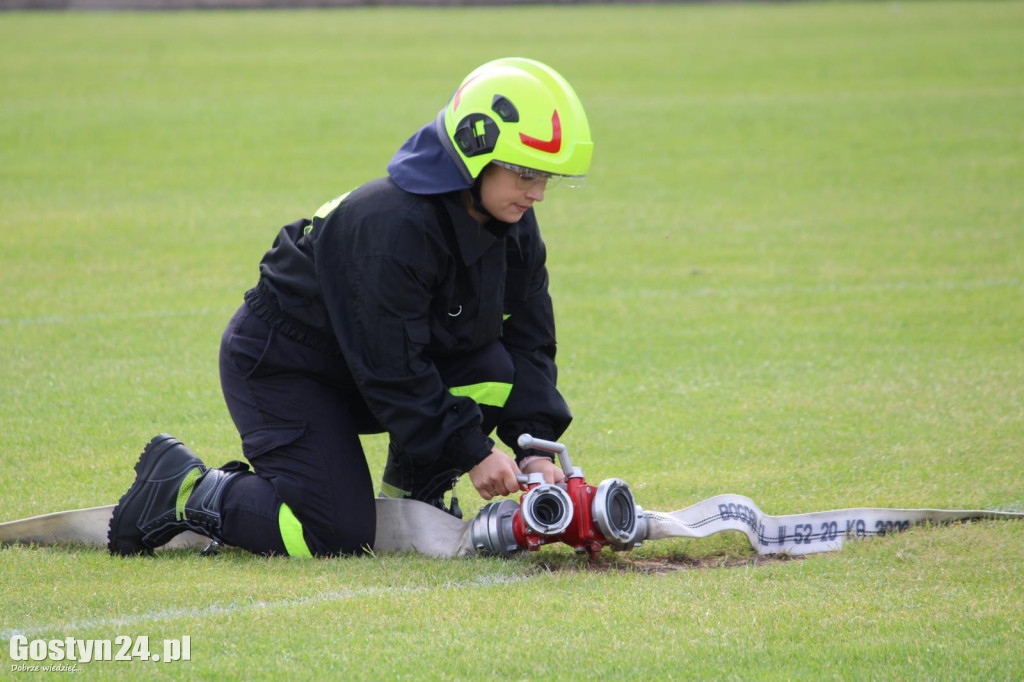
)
(586, 517)
(589, 518)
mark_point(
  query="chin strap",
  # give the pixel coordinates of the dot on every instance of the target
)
(478, 206)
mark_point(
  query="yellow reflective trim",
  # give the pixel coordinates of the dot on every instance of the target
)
(487, 393)
(291, 533)
(185, 491)
(326, 209)
(393, 492)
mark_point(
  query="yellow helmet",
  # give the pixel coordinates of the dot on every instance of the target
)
(519, 112)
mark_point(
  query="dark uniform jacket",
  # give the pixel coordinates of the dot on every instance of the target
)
(391, 281)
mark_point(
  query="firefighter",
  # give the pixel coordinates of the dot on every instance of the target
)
(415, 305)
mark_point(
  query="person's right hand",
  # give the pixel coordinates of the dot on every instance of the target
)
(542, 465)
(495, 475)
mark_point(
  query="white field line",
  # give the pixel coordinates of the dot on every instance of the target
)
(233, 608)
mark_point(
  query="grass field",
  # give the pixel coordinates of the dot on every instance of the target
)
(796, 274)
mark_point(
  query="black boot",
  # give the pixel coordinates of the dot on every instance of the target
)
(173, 492)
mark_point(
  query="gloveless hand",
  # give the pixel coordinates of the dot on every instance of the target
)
(552, 472)
(495, 476)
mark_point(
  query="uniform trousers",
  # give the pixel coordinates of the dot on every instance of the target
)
(299, 415)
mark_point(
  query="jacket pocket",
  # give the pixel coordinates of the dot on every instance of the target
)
(247, 352)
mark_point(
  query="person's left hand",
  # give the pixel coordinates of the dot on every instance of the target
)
(552, 472)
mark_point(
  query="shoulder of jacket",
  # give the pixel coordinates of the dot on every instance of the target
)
(382, 198)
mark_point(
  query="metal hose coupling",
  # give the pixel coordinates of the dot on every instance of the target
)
(585, 517)
(491, 530)
(547, 510)
(619, 518)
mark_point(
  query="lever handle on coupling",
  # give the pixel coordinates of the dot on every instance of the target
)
(530, 479)
(528, 442)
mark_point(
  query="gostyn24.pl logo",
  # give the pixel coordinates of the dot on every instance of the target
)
(28, 654)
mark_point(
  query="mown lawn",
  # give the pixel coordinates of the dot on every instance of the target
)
(796, 274)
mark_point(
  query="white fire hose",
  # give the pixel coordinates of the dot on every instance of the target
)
(586, 517)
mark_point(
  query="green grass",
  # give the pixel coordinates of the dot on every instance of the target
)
(796, 274)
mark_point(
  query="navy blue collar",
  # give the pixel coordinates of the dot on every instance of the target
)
(427, 162)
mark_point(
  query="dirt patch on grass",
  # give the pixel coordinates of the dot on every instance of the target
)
(669, 565)
(620, 563)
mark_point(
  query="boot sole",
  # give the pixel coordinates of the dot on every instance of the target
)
(117, 542)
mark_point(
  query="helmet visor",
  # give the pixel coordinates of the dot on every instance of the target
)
(529, 177)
